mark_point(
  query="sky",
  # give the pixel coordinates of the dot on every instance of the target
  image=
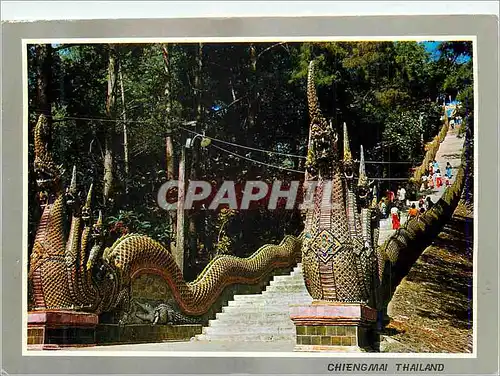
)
(432, 47)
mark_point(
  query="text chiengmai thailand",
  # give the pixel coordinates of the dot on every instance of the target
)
(384, 367)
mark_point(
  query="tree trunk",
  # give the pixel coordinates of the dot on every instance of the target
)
(125, 139)
(169, 149)
(194, 171)
(254, 94)
(109, 128)
(168, 86)
(179, 246)
(44, 78)
(169, 156)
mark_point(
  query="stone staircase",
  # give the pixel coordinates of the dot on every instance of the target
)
(260, 317)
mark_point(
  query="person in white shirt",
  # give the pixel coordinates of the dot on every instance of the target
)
(423, 187)
(401, 197)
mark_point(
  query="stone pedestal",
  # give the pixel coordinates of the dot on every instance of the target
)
(335, 326)
(53, 329)
(113, 334)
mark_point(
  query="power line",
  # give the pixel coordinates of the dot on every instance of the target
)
(211, 138)
(278, 153)
(385, 162)
(255, 161)
(184, 129)
(243, 146)
(288, 169)
(228, 143)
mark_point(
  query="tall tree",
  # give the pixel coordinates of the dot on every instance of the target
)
(124, 118)
(195, 217)
(109, 128)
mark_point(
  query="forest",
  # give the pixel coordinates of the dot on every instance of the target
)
(239, 112)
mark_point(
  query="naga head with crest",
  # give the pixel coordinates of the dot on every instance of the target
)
(48, 174)
(322, 152)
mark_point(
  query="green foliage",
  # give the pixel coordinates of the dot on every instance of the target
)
(223, 240)
(403, 135)
(129, 221)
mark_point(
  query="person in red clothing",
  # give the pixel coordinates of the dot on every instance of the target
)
(439, 179)
(395, 217)
(390, 196)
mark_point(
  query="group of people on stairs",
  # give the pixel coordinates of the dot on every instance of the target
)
(435, 179)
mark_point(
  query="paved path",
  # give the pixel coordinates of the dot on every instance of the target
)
(197, 346)
(450, 150)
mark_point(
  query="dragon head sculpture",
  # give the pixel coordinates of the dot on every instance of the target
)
(48, 174)
(87, 208)
(72, 195)
(322, 151)
(364, 190)
(348, 164)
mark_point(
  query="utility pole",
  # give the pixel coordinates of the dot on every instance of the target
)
(169, 156)
(179, 251)
(125, 140)
(422, 130)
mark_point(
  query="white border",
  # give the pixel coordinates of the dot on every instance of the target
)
(158, 353)
(66, 10)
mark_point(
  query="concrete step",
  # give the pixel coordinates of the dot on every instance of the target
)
(246, 337)
(279, 279)
(270, 295)
(286, 288)
(284, 328)
(267, 303)
(249, 297)
(296, 296)
(250, 318)
(256, 310)
(290, 281)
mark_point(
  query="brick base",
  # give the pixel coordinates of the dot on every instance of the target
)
(107, 334)
(334, 326)
(54, 329)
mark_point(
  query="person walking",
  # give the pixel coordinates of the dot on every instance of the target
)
(430, 182)
(435, 166)
(395, 218)
(439, 179)
(383, 209)
(448, 170)
(429, 203)
(413, 212)
(421, 201)
(391, 196)
(401, 197)
(423, 186)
